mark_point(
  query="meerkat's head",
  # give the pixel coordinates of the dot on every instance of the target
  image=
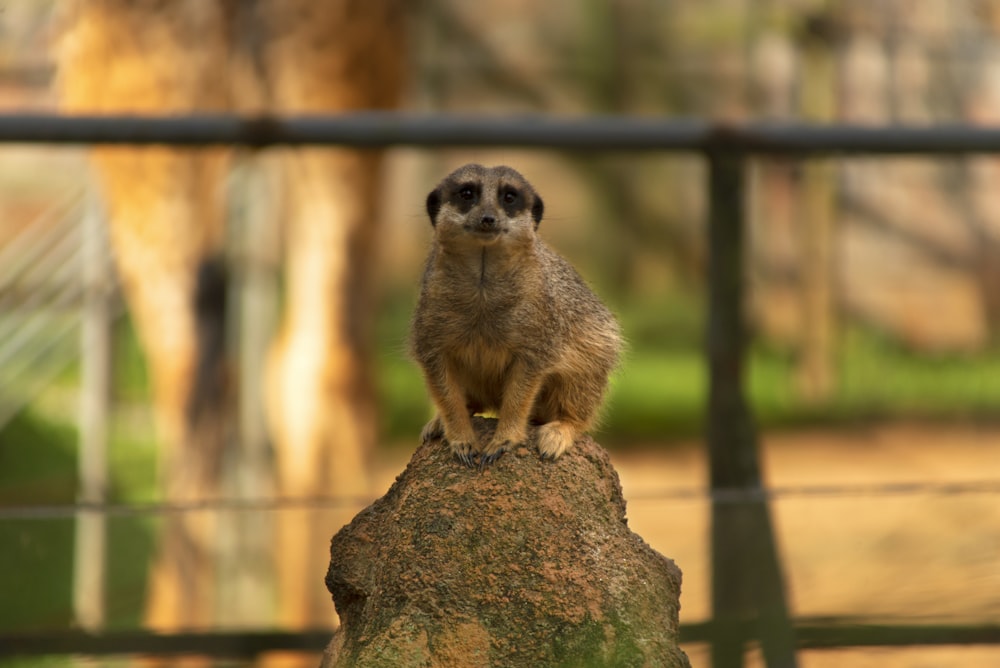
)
(480, 205)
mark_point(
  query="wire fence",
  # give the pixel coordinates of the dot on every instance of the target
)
(812, 634)
(746, 567)
(724, 496)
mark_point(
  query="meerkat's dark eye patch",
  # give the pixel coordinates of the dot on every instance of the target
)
(465, 196)
(511, 200)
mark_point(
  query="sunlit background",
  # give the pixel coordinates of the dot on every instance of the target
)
(874, 297)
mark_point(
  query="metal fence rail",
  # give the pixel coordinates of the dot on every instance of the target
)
(813, 634)
(749, 601)
(610, 133)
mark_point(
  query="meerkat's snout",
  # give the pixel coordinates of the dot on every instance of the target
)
(488, 223)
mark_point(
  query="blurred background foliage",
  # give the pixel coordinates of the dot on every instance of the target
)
(908, 305)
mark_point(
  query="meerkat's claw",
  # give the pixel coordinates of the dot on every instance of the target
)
(464, 453)
(493, 452)
(488, 460)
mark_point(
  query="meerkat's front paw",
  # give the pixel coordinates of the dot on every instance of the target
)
(464, 451)
(493, 452)
(432, 431)
(555, 438)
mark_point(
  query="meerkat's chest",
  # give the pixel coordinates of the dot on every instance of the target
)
(484, 310)
(477, 327)
(481, 334)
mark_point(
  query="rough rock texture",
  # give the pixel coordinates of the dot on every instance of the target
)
(528, 563)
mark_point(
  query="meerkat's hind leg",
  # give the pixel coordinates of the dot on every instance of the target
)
(432, 431)
(555, 438)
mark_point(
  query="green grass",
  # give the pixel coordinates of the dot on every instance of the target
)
(37, 461)
(661, 394)
(38, 467)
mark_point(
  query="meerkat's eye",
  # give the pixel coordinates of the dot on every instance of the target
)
(467, 193)
(509, 196)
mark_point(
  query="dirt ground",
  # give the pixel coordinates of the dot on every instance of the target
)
(885, 523)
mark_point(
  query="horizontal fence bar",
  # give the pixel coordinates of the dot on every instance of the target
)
(836, 636)
(228, 644)
(810, 634)
(840, 633)
(382, 129)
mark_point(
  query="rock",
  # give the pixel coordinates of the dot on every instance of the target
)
(528, 563)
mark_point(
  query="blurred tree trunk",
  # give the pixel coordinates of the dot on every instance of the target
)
(815, 374)
(326, 58)
(166, 218)
(967, 179)
(166, 212)
(605, 92)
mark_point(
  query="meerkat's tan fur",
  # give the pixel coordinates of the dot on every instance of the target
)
(504, 324)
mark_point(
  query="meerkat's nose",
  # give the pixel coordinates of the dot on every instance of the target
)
(488, 223)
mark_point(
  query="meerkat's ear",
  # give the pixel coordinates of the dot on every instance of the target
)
(434, 205)
(537, 209)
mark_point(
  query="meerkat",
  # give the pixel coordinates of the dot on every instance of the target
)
(503, 324)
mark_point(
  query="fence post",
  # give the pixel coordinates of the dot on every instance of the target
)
(259, 301)
(747, 588)
(246, 539)
(95, 397)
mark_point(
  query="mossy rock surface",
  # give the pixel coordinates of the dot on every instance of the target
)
(528, 563)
